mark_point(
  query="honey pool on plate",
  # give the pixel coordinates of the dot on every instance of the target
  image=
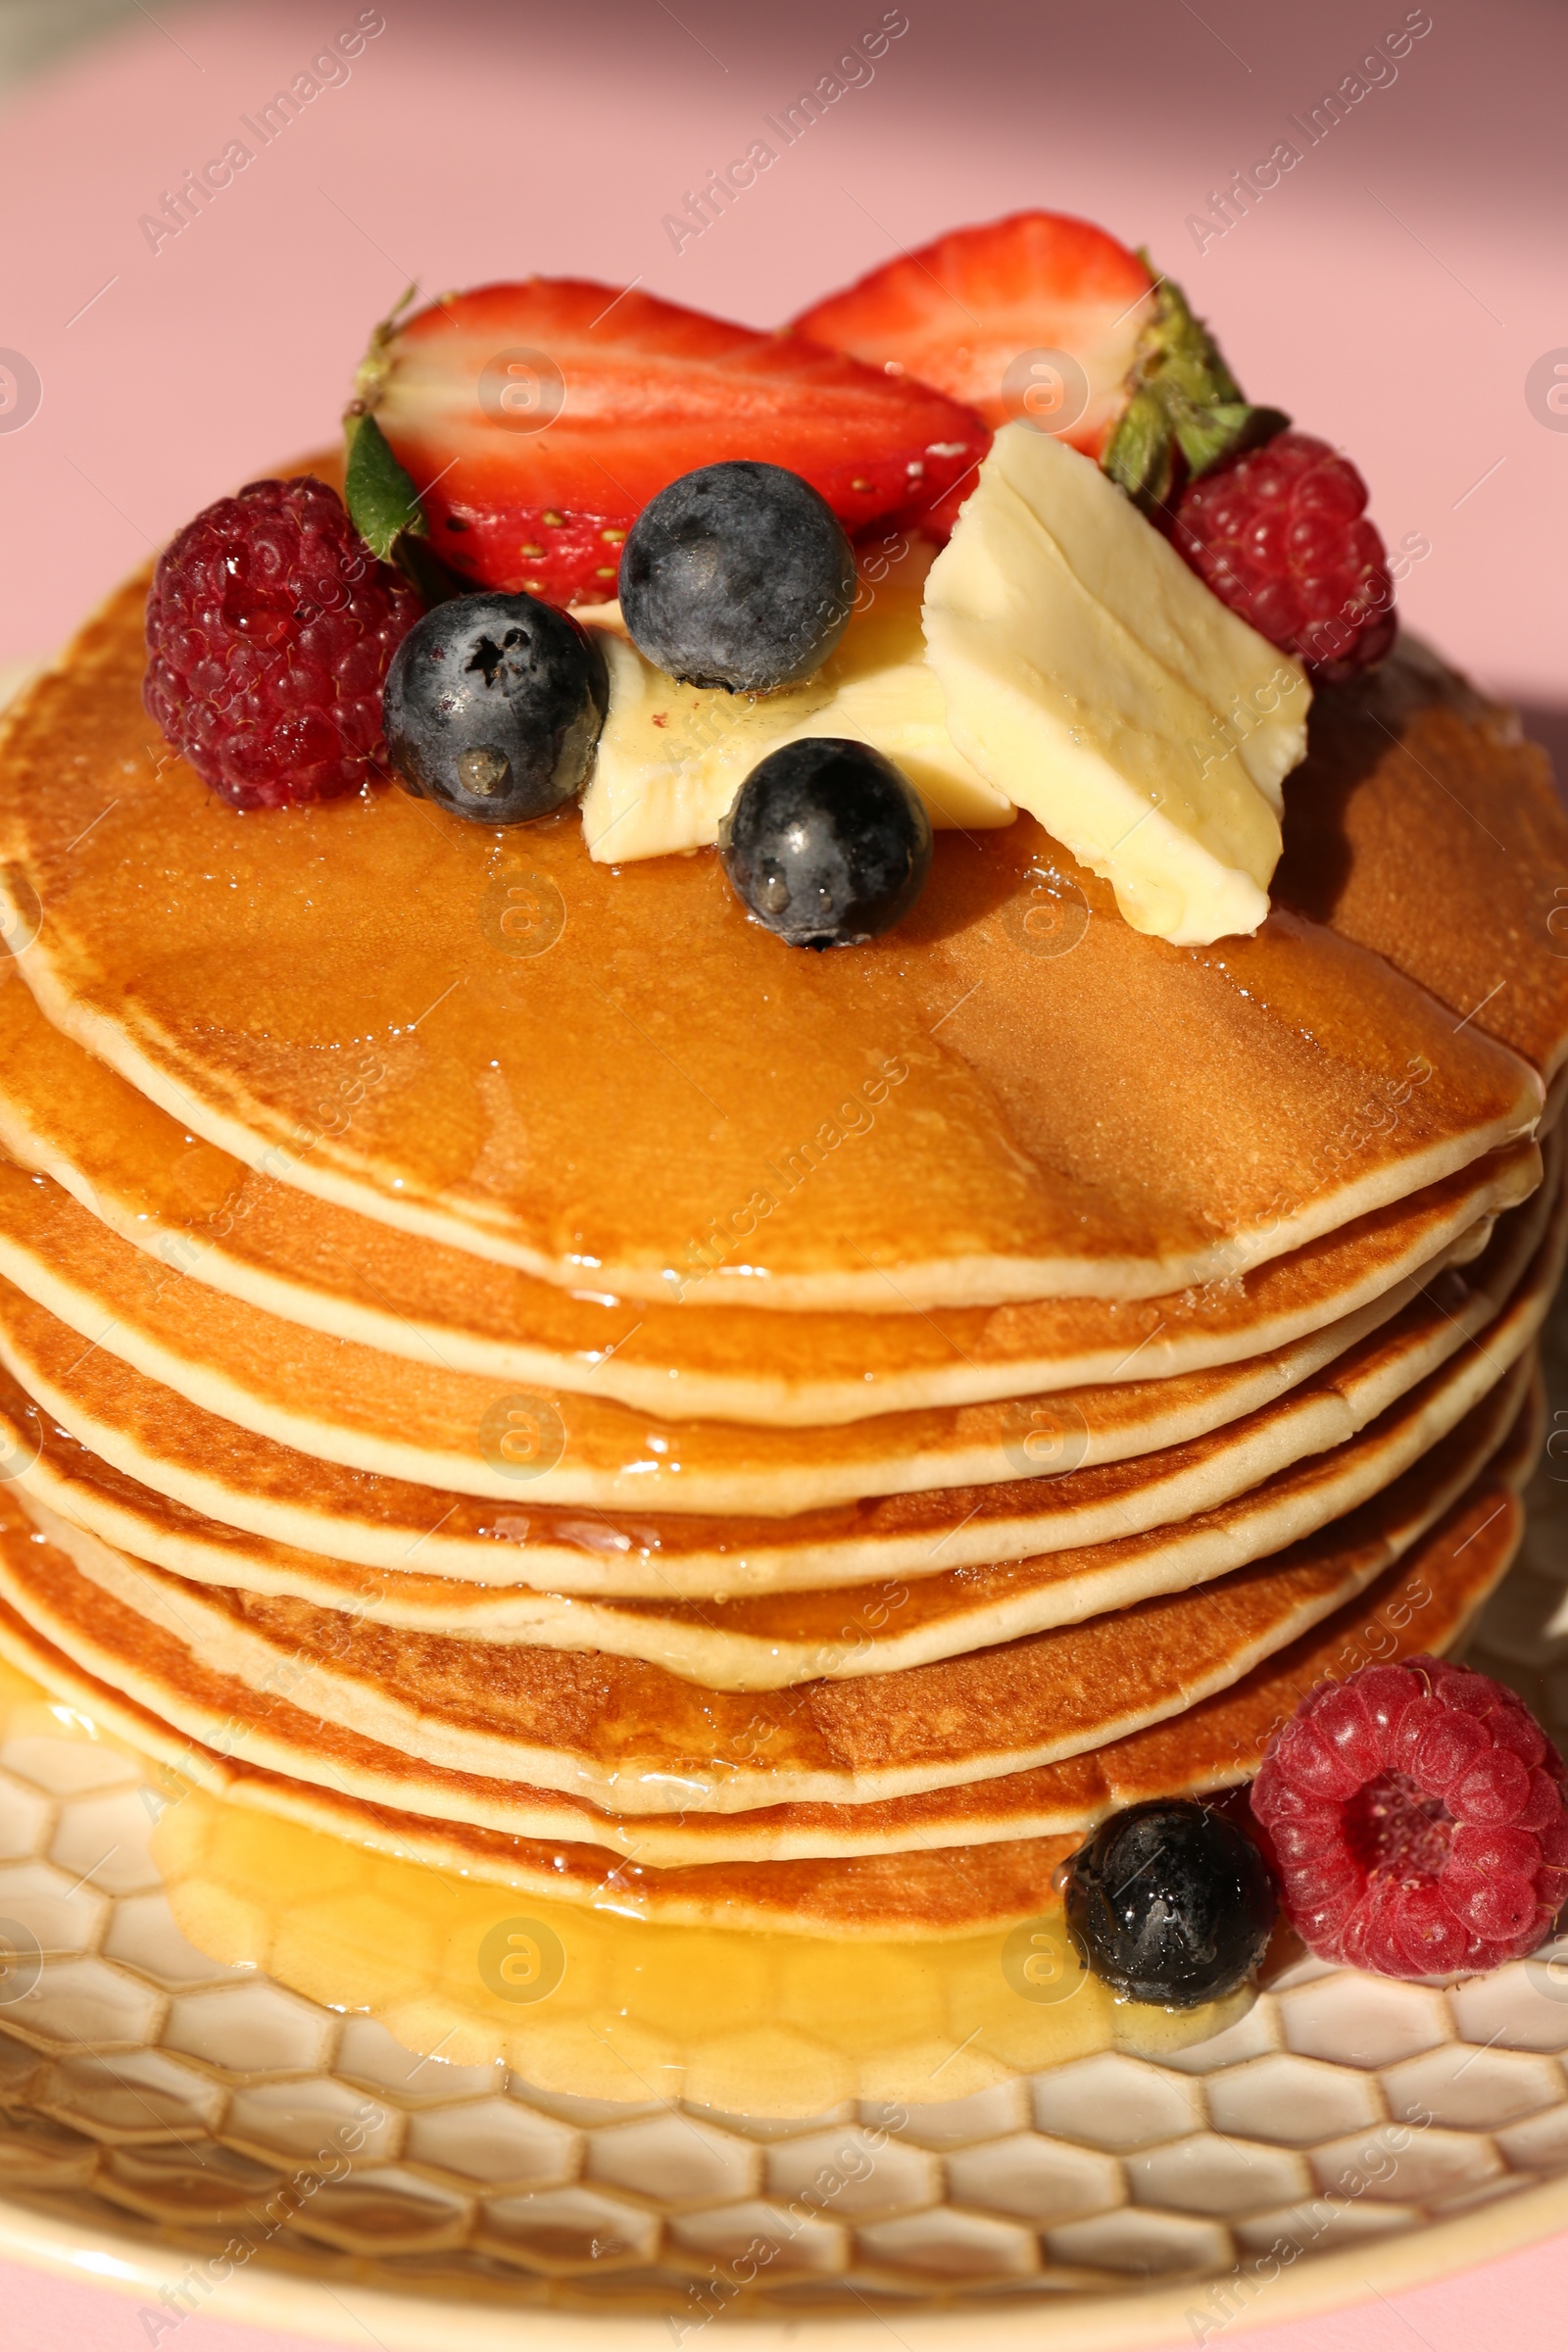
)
(595, 2002)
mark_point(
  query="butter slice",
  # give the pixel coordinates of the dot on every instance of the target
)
(672, 757)
(1090, 677)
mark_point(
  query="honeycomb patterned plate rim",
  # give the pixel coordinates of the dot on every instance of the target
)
(270, 2296)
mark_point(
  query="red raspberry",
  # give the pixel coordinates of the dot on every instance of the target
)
(270, 630)
(1279, 535)
(1418, 1820)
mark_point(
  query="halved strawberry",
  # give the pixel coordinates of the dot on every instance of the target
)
(972, 313)
(537, 420)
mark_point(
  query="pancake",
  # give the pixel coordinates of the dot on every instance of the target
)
(396, 1445)
(1456, 774)
(157, 1477)
(940, 1117)
(612, 1734)
(200, 1212)
(1423, 1602)
(337, 1401)
(769, 1642)
(798, 1637)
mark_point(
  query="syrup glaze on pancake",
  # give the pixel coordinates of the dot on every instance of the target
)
(619, 1734)
(338, 1401)
(1409, 752)
(200, 1212)
(153, 1475)
(316, 990)
(1423, 1602)
(795, 1638)
(769, 1642)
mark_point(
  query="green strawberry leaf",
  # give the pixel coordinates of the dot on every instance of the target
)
(1206, 435)
(1182, 397)
(378, 491)
(1138, 455)
(369, 378)
(1175, 344)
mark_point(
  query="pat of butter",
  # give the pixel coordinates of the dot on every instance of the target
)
(672, 758)
(1092, 678)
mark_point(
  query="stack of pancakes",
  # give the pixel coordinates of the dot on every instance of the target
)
(504, 1360)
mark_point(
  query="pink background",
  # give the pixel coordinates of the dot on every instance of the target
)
(1393, 292)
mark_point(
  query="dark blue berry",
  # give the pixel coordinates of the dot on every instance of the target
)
(827, 843)
(737, 575)
(492, 708)
(1171, 1903)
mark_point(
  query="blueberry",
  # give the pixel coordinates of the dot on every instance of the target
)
(827, 843)
(492, 708)
(1171, 1903)
(737, 575)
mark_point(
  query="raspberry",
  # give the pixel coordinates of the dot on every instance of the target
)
(1418, 1820)
(1279, 535)
(270, 630)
